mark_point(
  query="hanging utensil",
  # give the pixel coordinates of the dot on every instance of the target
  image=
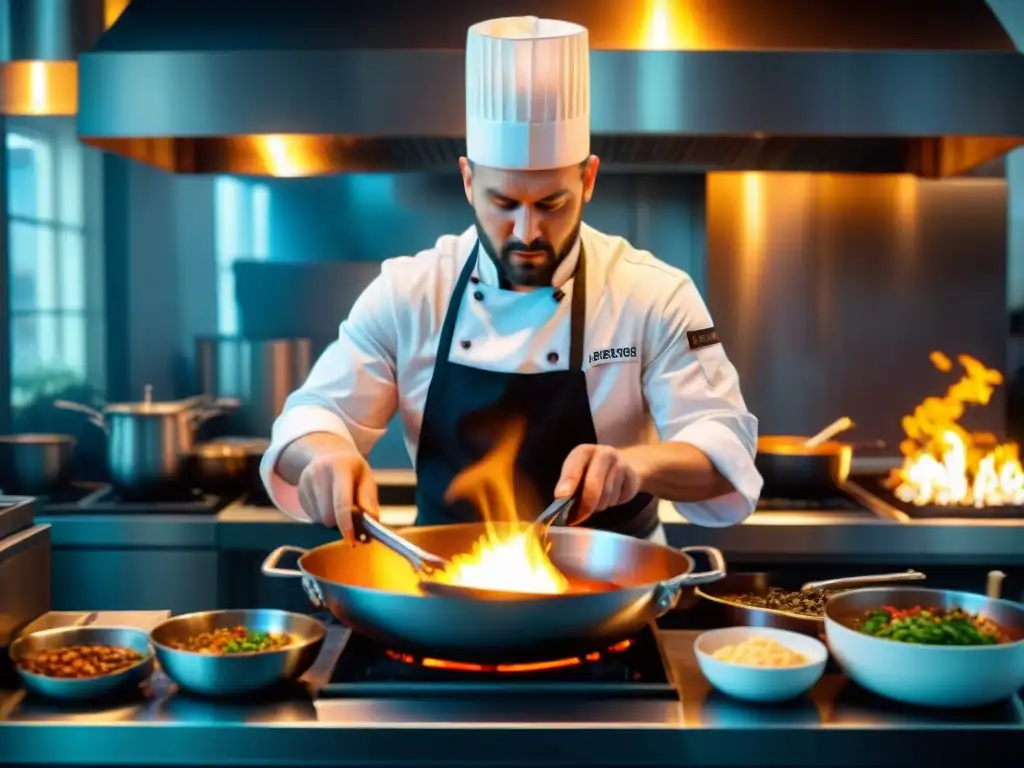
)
(833, 429)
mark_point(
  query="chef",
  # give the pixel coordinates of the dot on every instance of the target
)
(607, 355)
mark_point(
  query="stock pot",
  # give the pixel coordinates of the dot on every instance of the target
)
(147, 441)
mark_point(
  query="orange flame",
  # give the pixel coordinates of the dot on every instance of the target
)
(506, 558)
(944, 464)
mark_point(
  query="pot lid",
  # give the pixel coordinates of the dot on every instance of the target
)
(148, 406)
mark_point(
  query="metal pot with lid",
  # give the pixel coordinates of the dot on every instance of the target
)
(146, 440)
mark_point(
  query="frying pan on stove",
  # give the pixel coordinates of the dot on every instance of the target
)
(377, 592)
(792, 470)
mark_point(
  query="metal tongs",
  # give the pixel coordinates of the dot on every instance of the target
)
(426, 563)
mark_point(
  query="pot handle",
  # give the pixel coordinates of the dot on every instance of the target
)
(270, 567)
(95, 417)
(666, 595)
(309, 585)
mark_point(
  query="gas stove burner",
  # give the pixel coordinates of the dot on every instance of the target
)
(509, 669)
(875, 485)
(632, 668)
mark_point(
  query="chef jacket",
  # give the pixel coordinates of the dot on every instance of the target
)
(645, 380)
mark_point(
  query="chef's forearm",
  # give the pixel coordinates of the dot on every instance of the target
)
(299, 453)
(677, 472)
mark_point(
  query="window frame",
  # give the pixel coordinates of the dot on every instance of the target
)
(54, 222)
(242, 233)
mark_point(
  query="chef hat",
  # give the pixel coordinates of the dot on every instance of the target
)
(527, 93)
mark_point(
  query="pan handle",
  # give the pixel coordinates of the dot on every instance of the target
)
(270, 567)
(309, 585)
(666, 595)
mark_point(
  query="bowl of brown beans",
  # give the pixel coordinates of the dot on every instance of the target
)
(76, 663)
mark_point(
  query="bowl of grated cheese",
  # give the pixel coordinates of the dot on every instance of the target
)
(760, 664)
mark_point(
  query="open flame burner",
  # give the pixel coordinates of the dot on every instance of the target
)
(875, 485)
(633, 668)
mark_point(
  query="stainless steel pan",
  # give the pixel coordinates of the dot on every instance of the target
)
(147, 440)
(210, 674)
(35, 464)
(739, 614)
(377, 592)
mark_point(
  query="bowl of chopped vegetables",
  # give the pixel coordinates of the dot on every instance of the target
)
(229, 653)
(928, 647)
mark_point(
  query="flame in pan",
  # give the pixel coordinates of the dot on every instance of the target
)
(503, 558)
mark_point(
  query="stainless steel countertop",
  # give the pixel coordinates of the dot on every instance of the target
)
(837, 724)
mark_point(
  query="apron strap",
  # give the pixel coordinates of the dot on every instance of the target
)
(444, 345)
(577, 316)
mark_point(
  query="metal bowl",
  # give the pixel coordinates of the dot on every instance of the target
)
(74, 688)
(237, 673)
(927, 675)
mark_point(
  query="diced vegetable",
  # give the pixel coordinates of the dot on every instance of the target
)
(931, 627)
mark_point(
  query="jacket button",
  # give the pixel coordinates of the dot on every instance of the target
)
(558, 295)
(552, 357)
(474, 279)
(478, 295)
(466, 343)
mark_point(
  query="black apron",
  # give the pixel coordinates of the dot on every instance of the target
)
(466, 407)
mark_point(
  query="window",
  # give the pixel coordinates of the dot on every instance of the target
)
(47, 236)
(243, 233)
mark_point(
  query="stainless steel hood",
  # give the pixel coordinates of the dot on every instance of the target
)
(305, 87)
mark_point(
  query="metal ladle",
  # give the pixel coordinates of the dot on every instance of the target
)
(426, 564)
(839, 425)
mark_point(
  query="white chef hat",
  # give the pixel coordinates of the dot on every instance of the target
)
(527, 93)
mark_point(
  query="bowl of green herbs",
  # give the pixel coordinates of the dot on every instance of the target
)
(928, 647)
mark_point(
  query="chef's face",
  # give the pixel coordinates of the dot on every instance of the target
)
(528, 221)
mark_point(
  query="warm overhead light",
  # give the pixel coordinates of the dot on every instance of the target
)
(38, 88)
(39, 73)
(112, 10)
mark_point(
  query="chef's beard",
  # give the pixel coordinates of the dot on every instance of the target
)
(528, 275)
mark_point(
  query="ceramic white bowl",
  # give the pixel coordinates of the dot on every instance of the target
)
(927, 675)
(760, 684)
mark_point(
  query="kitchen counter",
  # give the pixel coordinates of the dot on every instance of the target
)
(776, 536)
(837, 724)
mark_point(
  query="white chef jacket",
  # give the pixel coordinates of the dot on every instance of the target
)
(384, 358)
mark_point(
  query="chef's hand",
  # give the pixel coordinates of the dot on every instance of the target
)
(604, 477)
(333, 482)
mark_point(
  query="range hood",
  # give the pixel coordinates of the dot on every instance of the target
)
(307, 87)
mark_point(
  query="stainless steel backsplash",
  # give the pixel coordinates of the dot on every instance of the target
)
(830, 292)
(328, 236)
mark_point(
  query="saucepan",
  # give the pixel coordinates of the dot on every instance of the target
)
(226, 465)
(798, 466)
(147, 440)
(376, 591)
(35, 464)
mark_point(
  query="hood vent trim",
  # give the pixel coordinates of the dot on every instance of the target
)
(260, 98)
